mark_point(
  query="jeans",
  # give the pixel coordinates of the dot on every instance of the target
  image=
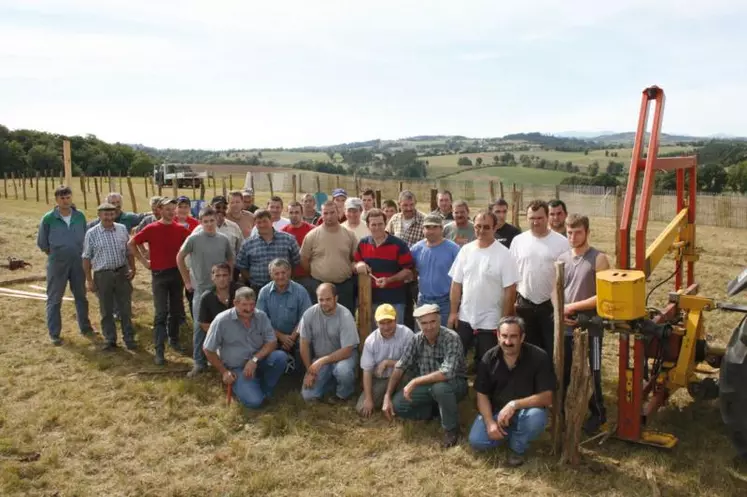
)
(446, 394)
(338, 377)
(443, 304)
(114, 290)
(198, 334)
(538, 318)
(169, 305)
(400, 308)
(345, 293)
(525, 426)
(596, 402)
(484, 340)
(251, 392)
(62, 269)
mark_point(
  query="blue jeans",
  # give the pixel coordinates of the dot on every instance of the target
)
(443, 304)
(526, 425)
(198, 334)
(338, 377)
(251, 392)
(400, 308)
(62, 269)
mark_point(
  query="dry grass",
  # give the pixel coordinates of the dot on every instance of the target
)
(100, 430)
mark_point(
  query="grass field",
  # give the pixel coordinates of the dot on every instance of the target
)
(284, 158)
(518, 175)
(99, 428)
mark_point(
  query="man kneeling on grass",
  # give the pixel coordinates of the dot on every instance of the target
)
(248, 360)
(515, 382)
(437, 358)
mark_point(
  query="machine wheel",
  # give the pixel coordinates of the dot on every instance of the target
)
(733, 388)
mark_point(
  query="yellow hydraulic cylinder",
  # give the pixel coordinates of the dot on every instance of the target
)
(621, 294)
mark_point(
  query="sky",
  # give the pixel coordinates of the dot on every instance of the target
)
(242, 74)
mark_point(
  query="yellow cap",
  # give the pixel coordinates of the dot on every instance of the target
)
(385, 311)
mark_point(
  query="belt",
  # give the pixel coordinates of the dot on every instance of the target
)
(110, 270)
(526, 303)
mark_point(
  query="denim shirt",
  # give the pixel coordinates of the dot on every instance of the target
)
(59, 239)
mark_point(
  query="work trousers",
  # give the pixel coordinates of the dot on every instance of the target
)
(445, 394)
(538, 319)
(114, 290)
(596, 402)
(483, 340)
(167, 287)
(61, 270)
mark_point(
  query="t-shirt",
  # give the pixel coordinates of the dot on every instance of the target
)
(452, 232)
(330, 253)
(532, 374)
(190, 223)
(361, 231)
(385, 260)
(328, 333)
(483, 274)
(433, 265)
(299, 233)
(205, 251)
(67, 218)
(164, 241)
(506, 233)
(211, 305)
(536, 259)
(377, 348)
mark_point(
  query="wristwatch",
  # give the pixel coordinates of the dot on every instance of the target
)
(255, 360)
(512, 404)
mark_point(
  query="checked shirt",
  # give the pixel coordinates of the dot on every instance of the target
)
(413, 234)
(106, 248)
(256, 254)
(446, 355)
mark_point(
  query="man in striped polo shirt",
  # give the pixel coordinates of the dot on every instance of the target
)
(109, 268)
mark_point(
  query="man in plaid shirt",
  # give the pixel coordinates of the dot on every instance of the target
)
(407, 225)
(436, 359)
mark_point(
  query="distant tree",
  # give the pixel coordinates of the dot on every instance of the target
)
(712, 178)
(614, 168)
(593, 170)
(738, 177)
(259, 154)
(606, 153)
(478, 161)
(464, 161)
(586, 151)
(496, 160)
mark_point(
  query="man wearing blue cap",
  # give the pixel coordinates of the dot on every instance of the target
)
(339, 196)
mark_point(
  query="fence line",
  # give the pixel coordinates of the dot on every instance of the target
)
(723, 210)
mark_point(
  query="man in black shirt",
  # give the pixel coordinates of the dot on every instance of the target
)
(504, 232)
(515, 382)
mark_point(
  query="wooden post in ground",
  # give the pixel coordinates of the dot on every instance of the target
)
(377, 193)
(318, 187)
(618, 217)
(202, 190)
(37, 186)
(501, 187)
(492, 191)
(365, 312)
(337, 181)
(558, 356)
(223, 186)
(557, 192)
(251, 182)
(5, 184)
(215, 191)
(120, 190)
(145, 180)
(579, 390)
(15, 187)
(269, 179)
(400, 186)
(46, 188)
(295, 187)
(88, 184)
(434, 199)
(23, 185)
(230, 182)
(83, 190)
(96, 190)
(68, 163)
(514, 206)
(300, 183)
(153, 186)
(133, 199)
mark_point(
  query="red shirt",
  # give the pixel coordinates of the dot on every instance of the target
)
(164, 241)
(192, 223)
(299, 233)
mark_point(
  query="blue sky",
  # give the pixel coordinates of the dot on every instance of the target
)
(239, 74)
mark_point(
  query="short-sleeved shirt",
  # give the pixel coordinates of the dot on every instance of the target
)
(235, 342)
(231, 230)
(433, 265)
(376, 348)
(256, 254)
(106, 248)
(284, 308)
(452, 232)
(190, 223)
(446, 355)
(330, 253)
(506, 233)
(128, 219)
(164, 241)
(532, 374)
(313, 219)
(145, 221)
(411, 230)
(211, 305)
(328, 333)
(536, 258)
(385, 260)
(483, 274)
(206, 250)
(299, 233)
(361, 231)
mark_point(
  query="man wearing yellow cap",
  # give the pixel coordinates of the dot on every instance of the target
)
(381, 351)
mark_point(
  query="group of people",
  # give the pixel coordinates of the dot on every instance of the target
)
(272, 295)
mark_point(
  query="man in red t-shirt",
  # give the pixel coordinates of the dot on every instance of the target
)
(299, 229)
(164, 238)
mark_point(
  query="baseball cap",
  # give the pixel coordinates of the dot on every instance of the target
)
(248, 191)
(354, 203)
(433, 220)
(424, 310)
(385, 311)
(219, 199)
(167, 201)
(183, 199)
(339, 192)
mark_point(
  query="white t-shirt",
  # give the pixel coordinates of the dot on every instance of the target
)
(536, 259)
(483, 273)
(67, 219)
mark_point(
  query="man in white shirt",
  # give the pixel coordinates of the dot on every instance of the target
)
(483, 287)
(535, 252)
(354, 215)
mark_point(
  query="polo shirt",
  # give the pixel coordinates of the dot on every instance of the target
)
(164, 241)
(211, 306)
(532, 374)
(388, 259)
(299, 233)
(328, 333)
(285, 309)
(376, 348)
(433, 265)
(234, 341)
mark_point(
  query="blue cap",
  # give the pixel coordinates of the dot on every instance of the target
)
(183, 200)
(339, 192)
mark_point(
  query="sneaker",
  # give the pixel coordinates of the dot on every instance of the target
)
(515, 460)
(196, 370)
(159, 359)
(56, 341)
(109, 347)
(451, 438)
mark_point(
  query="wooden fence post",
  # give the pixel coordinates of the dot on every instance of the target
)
(121, 191)
(88, 184)
(223, 186)
(337, 181)
(492, 191)
(558, 356)
(145, 180)
(434, 199)
(557, 192)
(133, 199)
(46, 187)
(96, 190)
(514, 206)
(579, 390)
(378, 198)
(251, 183)
(83, 190)
(503, 196)
(272, 190)
(5, 184)
(295, 188)
(618, 218)
(15, 187)
(318, 186)
(67, 160)
(230, 182)
(364, 306)
(37, 186)
(23, 185)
